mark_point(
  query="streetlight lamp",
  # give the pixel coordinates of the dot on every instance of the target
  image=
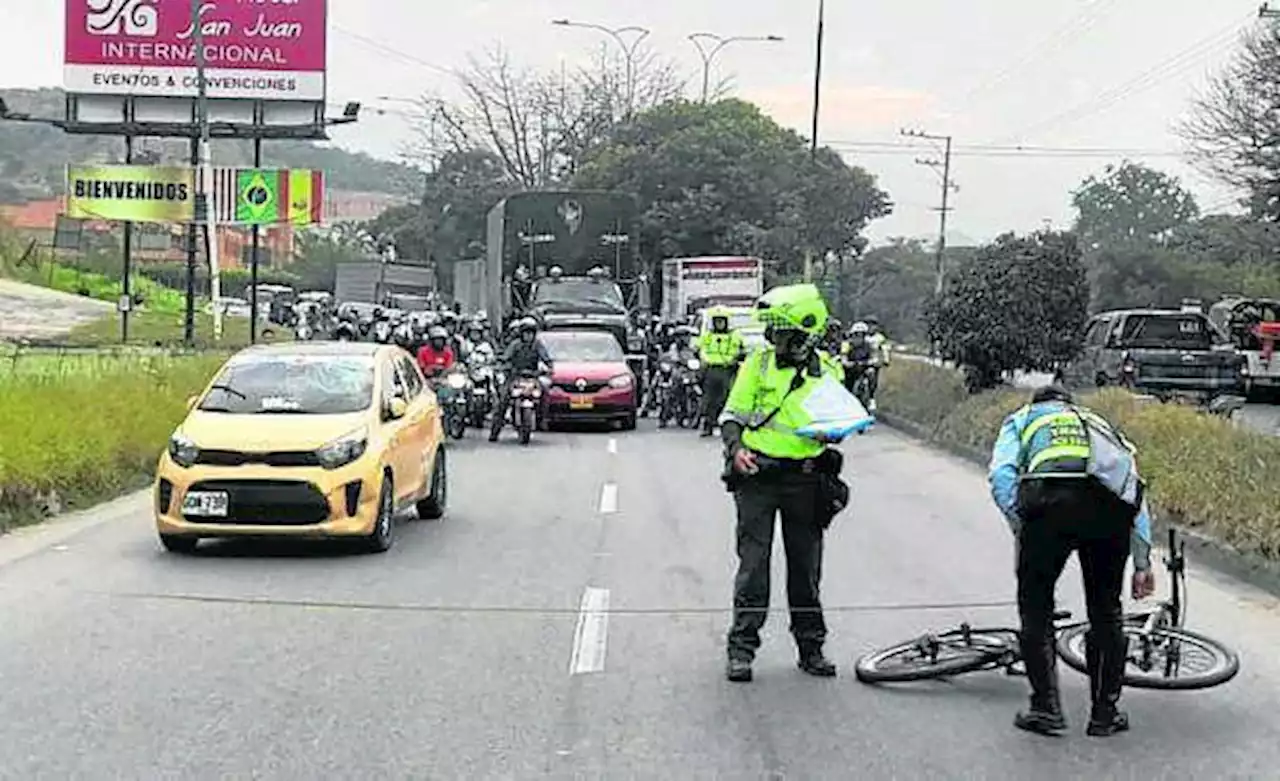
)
(628, 50)
(710, 44)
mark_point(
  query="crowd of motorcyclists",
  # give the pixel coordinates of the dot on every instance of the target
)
(687, 373)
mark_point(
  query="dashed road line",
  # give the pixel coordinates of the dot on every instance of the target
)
(609, 498)
(613, 446)
(591, 636)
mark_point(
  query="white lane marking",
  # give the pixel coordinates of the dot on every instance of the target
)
(591, 636)
(613, 446)
(609, 498)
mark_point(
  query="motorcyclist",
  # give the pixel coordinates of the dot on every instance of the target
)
(880, 355)
(436, 355)
(721, 350)
(522, 355)
(856, 354)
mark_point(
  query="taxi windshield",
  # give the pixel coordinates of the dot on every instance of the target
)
(292, 384)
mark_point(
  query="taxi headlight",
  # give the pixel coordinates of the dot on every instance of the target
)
(183, 451)
(694, 364)
(343, 450)
(621, 381)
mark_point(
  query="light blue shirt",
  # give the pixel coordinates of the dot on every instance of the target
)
(1005, 473)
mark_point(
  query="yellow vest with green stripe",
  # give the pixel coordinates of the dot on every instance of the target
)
(761, 387)
(1055, 442)
(720, 349)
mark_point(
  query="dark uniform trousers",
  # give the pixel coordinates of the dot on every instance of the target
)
(716, 383)
(1060, 515)
(760, 499)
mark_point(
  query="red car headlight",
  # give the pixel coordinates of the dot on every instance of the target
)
(621, 381)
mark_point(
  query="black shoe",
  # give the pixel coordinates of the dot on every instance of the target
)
(738, 671)
(706, 432)
(493, 436)
(814, 663)
(1108, 724)
(1041, 722)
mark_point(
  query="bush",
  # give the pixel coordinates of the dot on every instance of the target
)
(1201, 470)
(79, 428)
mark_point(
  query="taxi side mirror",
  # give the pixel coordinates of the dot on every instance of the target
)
(191, 402)
(397, 408)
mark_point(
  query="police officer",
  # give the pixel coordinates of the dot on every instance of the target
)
(774, 470)
(721, 350)
(1065, 479)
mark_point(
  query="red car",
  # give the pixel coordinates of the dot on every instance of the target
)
(590, 379)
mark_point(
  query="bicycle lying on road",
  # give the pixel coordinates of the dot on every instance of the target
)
(1162, 653)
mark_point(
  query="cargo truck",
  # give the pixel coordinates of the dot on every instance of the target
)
(381, 283)
(691, 285)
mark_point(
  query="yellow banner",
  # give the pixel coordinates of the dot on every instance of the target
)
(131, 193)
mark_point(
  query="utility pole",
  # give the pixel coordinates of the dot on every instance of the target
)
(204, 200)
(813, 132)
(1265, 11)
(944, 168)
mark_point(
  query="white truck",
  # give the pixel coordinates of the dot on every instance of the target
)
(690, 285)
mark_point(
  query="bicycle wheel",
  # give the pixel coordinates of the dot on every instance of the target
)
(938, 656)
(1167, 657)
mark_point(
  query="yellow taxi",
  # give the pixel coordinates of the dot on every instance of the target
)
(304, 439)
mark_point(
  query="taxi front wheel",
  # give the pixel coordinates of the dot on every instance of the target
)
(433, 506)
(383, 535)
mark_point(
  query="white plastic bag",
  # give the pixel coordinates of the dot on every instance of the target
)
(835, 412)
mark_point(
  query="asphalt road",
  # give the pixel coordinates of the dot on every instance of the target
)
(32, 312)
(458, 654)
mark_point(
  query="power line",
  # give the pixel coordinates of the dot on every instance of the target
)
(994, 150)
(1162, 71)
(382, 47)
(1075, 28)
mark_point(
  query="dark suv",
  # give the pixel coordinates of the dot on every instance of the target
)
(1157, 351)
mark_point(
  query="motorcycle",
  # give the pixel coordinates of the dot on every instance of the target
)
(304, 333)
(664, 393)
(346, 332)
(453, 390)
(862, 387)
(382, 332)
(482, 392)
(526, 396)
(689, 409)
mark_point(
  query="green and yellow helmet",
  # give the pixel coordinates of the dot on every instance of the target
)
(794, 308)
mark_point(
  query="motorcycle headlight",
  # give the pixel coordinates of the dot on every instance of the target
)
(621, 381)
(694, 364)
(183, 451)
(343, 450)
(456, 381)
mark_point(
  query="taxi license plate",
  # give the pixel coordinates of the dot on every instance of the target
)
(581, 402)
(205, 504)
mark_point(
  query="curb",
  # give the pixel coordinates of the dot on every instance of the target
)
(1210, 552)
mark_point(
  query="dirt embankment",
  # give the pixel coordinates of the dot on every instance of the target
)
(30, 312)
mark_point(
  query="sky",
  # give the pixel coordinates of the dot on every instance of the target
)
(1038, 81)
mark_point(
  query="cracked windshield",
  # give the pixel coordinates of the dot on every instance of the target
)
(734, 389)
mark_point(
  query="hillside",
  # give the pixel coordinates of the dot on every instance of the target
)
(33, 157)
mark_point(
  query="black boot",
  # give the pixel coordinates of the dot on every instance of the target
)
(738, 670)
(814, 662)
(1106, 680)
(1044, 717)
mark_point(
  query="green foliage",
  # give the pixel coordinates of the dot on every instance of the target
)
(33, 158)
(723, 178)
(86, 427)
(1020, 303)
(892, 282)
(1129, 204)
(1201, 470)
(166, 329)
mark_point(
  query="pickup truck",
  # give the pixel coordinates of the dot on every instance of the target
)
(1158, 351)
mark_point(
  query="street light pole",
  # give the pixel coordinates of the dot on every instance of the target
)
(628, 50)
(709, 45)
(206, 174)
(817, 103)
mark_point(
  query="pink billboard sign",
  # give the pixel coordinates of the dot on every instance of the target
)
(256, 49)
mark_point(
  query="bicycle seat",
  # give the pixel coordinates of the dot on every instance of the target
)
(1061, 615)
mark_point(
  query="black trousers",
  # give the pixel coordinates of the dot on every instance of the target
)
(716, 382)
(1060, 516)
(760, 499)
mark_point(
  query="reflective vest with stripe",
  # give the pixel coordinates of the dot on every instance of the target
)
(766, 384)
(720, 349)
(1061, 440)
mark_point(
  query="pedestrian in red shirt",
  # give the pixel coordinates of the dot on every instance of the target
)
(436, 355)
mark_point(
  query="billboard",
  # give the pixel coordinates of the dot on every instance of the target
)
(136, 193)
(242, 196)
(253, 50)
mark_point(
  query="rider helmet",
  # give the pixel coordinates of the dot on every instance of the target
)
(859, 328)
(438, 337)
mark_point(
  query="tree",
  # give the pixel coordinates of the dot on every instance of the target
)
(1234, 125)
(724, 178)
(1019, 303)
(892, 282)
(540, 125)
(1130, 204)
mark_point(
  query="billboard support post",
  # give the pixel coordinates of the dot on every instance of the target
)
(126, 291)
(189, 320)
(206, 172)
(253, 258)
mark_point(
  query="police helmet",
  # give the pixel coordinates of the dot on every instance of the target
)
(794, 308)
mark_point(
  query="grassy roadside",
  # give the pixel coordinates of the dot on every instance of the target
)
(1201, 470)
(163, 329)
(76, 429)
